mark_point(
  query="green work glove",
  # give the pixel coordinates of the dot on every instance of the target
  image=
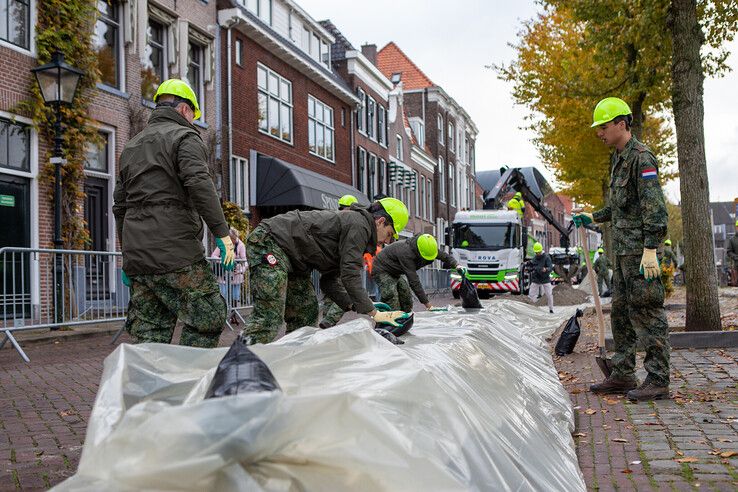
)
(390, 317)
(125, 279)
(227, 255)
(380, 306)
(582, 219)
(462, 270)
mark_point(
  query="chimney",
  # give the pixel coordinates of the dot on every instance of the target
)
(370, 51)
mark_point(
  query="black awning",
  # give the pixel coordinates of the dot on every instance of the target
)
(280, 183)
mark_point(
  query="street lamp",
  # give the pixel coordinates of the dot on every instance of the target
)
(58, 82)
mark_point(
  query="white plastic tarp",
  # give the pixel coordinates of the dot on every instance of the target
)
(471, 401)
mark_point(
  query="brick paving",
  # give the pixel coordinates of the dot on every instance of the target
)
(687, 443)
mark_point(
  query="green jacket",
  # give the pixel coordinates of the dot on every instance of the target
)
(668, 257)
(732, 249)
(403, 258)
(635, 205)
(332, 243)
(601, 265)
(162, 190)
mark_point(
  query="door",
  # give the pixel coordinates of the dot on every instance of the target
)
(96, 216)
(15, 231)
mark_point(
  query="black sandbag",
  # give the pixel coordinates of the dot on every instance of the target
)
(569, 335)
(468, 293)
(241, 371)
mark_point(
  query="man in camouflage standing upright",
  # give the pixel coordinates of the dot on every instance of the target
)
(602, 269)
(162, 194)
(637, 211)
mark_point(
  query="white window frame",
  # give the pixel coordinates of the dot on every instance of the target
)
(164, 46)
(31, 50)
(429, 197)
(371, 179)
(314, 123)
(399, 151)
(417, 195)
(361, 112)
(423, 203)
(441, 180)
(441, 140)
(201, 78)
(418, 128)
(361, 166)
(280, 103)
(239, 182)
(121, 49)
(108, 176)
(371, 118)
(238, 52)
(381, 125)
(452, 184)
(451, 137)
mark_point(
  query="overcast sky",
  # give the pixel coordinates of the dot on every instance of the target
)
(453, 41)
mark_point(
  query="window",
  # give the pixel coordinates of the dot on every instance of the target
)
(305, 39)
(399, 147)
(361, 113)
(381, 177)
(440, 129)
(451, 184)
(381, 123)
(442, 179)
(315, 46)
(418, 128)
(320, 129)
(423, 203)
(96, 154)
(265, 11)
(154, 66)
(15, 22)
(371, 118)
(195, 60)
(417, 195)
(105, 41)
(451, 136)
(239, 52)
(360, 170)
(275, 104)
(240, 182)
(429, 195)
(15, 146)
(372, 181)
(325, 54)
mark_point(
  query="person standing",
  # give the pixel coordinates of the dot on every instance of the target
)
(602, 269)
(732, 252)
(540, 279)
(285, 249)
(517, 204)
(163, 192)
(637, 211)
(396, 268)
(668, 267)
(230, 285)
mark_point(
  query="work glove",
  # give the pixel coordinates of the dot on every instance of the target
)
(389, 336)
(650, 264)
(429, 307)
(582, 219)
(380, 306)
(227, 255)
(124, 278)
(388, 317)
(462, 270)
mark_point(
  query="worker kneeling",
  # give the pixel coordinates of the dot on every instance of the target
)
(395, 270)
(284, 250)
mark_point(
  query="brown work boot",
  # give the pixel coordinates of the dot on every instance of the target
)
(614, 385)
(649, 391)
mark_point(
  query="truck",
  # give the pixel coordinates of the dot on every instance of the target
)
(493, 243)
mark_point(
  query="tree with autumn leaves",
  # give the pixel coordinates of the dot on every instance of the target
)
(576, 52)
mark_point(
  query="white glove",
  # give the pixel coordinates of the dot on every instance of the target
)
(650, 264)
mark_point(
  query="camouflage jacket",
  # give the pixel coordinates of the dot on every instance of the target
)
(635, 205)
(601, 265)
(668, 257)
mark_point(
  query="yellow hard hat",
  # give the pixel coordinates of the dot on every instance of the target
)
(347, 200)
(179, 88)
(397, 211)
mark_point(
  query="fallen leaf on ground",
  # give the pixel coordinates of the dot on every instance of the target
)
(729, 454)
(610, 401)
(679, 453)
(590, 411)
(619, 439)
(618, 419)
(724, 440)
(687, 460)
(580, 434)
(627, 470)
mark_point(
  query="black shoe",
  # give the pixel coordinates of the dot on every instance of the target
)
(649, 391)
(614, 385)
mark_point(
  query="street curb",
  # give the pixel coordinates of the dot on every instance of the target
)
(694, 339)
(44, 335)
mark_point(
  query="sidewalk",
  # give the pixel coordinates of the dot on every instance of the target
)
(687, 443)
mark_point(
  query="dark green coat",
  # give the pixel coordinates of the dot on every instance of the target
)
(333, 243)
(635, 206)
(601, 265)
(403, 258)
(162, 191)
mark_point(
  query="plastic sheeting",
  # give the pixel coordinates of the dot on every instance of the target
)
(471, 401)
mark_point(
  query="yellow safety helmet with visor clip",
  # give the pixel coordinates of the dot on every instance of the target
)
(397, 212)
(608, 109)
(427, 247)
(181, 89)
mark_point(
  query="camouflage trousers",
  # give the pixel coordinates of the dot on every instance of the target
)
(332, 314)
(638, 313)
(189, 294)
(605, 278)
(279, 295)
(394, 291)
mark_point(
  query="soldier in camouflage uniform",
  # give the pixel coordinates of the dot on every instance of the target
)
(637, 211)
(602, 269)
(668, 262)
(162, 194)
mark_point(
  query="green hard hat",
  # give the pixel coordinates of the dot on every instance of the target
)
(427, 247)
(518, 195)
(600, 250)
(397, 211)
(347, 200)
(538, 248)
(464, 243)
(667, 242)
(179, 88)
(608, 109)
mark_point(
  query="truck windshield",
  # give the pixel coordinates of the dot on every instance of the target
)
(487, 237)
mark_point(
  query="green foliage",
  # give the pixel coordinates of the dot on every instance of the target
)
(66, 26)
(576, 52)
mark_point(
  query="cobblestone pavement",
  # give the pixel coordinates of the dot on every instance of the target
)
(687, 443)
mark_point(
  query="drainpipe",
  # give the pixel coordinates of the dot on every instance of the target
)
(352, 149)
(230, 99)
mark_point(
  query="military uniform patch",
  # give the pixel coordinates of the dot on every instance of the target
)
(270, 259)
(649, 173)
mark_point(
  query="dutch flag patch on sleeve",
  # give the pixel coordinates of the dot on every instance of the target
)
(649, 173)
